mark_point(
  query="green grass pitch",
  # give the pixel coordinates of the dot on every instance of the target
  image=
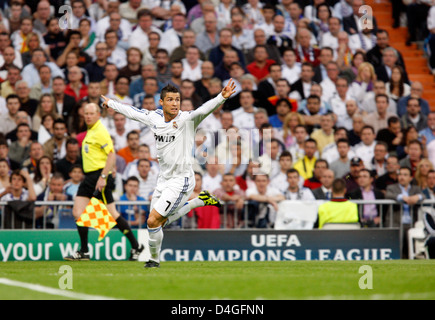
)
(286, 280)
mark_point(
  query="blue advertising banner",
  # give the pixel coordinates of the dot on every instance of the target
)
(271, 245)
(209, 245)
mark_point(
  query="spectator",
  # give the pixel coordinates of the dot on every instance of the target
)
(260, 67)
(397, 86)
(118, 55)
(338, 209)
(416, 91)
(305, 165)
(392, 135)
(225, 43)
(4, 154)
(149, 54)
(291, 69)
(12, 78)
(325, 134)
(366, 148)
(30, 72)
(55, 147)
(95, 69)
(21, 117)
(46, 106)
(428, 134)
(76, 176)
(368, 103)
(134, 58)
(300, 90)
(341, 165)
(422, 171)
(73, 45)
(135, 215)
(389, 60)
(212, 179)
(206, 217)
(260, 38)
(21, 187)
(263, 202)
(72, 158)
(288, 132)
(431, 28)
(414, 116)
(408, 196)
(5, 171)
(13, 105)
(294, 191)
(370, 213)
(187, 40)
(351, 23)
(280, 180)
(192, 64)
(19, 149)
(325, 191)
(305, 52)
(374, 55)
(64, 103)
(107, 85)
(429, 191)
(54, 192)
(244, 115)
(379, 163)
(314, 182)
(76, 88)
(346, 120)
(409, 134)
(42, 175)
(351, 178)
(313, 112)
(390, 176)
(415, 152)
(54, 38)
(330, 38)
(147, 179)
(379, 119)
(129, 153)
(235, 201)
(35, 153)
(209, 38)
(326, 56)
(281, 37)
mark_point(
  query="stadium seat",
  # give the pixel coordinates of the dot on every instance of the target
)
(341, 226)
(416, 242)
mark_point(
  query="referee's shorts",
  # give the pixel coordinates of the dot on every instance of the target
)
(87, 187)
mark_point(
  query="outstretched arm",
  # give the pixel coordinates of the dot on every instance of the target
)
(203, 111)
(130, 112)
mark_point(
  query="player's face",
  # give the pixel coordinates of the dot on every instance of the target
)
(171, 103)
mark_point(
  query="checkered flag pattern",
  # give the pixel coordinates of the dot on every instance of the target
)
(96, 216)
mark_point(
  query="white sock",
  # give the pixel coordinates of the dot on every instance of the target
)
(155, 242)
(189, 205)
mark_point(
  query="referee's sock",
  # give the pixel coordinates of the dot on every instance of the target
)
(83, 233)
(126, 230)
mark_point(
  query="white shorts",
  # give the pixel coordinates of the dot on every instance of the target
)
(171, 195)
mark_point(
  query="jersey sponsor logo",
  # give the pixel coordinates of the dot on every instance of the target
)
(166, 138)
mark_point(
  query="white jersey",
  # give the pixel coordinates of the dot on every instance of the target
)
(174, 139)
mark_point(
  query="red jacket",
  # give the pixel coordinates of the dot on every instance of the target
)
(83, 92)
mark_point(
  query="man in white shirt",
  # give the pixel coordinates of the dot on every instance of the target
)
(366, 148)
(266, 202)
(339, 98)
(329, 84)
(147, 181)
(243, 39)
(379, 119)
(280, 180)
(212, 178)
(139, 37)
(192, 64)
(244, 115)
(330, 38)
(369, 103)
(171, 38)
(294, 191)
(291, 69)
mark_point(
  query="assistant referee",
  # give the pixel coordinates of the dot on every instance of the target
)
(99, 159)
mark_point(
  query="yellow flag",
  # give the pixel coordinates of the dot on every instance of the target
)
(98, 217)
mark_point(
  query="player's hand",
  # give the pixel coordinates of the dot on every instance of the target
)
(106, 101)
(229, 89)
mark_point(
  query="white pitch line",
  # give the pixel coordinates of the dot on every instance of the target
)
(52, 291)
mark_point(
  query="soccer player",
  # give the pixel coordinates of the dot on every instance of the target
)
(99, 158)
(174, 131)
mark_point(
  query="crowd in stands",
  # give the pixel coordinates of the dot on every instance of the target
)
(319, 97)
